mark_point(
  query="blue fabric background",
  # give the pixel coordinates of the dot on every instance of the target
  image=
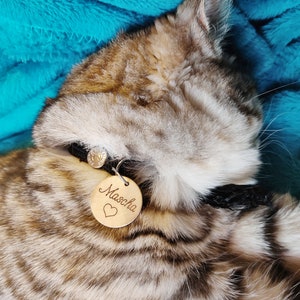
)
(40, 40)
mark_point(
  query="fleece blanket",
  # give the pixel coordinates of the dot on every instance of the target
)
(40, 40)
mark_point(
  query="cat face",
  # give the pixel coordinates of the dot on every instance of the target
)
(168, 98)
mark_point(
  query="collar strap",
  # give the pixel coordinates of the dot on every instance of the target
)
(109, 163)
(238, 197)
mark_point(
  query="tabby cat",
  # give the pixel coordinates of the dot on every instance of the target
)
(170, 113)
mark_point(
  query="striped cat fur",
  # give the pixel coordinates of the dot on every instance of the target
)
(170, 100)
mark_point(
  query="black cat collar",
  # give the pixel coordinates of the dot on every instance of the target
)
(234, 197)
(98, 158)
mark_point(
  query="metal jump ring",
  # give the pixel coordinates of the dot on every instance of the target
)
(116, 170)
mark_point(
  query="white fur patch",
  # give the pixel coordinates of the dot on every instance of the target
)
(248, 235)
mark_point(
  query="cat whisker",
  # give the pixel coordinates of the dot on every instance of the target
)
(265, 144)
(271, 122)
(267, 137)
(266, 133)
(260, 177)
(280, 145)
(275, 89)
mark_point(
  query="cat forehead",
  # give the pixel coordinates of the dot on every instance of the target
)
(133, 62)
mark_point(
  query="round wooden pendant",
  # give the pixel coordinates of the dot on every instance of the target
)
(116, 204)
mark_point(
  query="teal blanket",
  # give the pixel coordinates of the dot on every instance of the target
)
(40, 40)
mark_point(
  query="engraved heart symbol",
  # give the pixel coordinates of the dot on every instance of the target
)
(109, 210)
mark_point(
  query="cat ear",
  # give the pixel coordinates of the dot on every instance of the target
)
(205, 16)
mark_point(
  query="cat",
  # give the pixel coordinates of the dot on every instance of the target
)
(165, 111)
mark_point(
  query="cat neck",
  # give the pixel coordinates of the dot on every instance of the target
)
(230, 196)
